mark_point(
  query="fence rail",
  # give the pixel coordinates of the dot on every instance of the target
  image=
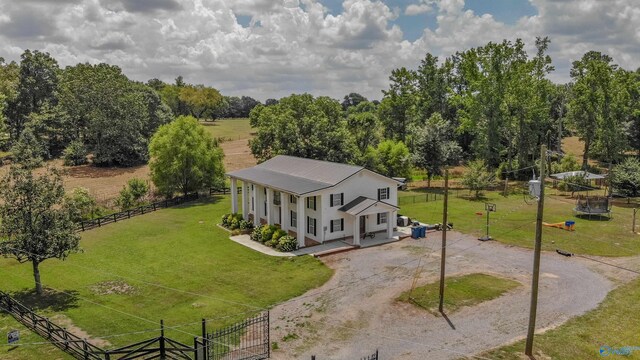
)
(419, 198)
(127, 214)
(248, 340)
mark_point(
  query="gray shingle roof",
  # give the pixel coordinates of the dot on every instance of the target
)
(297, 175)
(362, 203)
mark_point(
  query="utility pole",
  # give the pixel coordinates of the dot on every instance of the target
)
(445, 226)
(536, 258)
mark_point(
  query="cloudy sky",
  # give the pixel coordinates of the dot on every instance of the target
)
(272, 48)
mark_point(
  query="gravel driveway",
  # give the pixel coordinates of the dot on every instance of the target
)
(356, 313)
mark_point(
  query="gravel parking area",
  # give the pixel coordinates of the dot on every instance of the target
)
(356, 312)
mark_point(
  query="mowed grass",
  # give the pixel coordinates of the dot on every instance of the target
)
(465, 290)
(583, 336)
(514, 223)
(181, 268)
(229, 129)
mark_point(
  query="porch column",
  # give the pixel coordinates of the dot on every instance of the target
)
(254, 201)
(269, 206)
(245, 210)
(302, 219)
(284, 207)
(234, 195)
(390, 221)
(356, 230)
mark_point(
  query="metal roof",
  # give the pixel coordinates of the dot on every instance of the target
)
(586, 175)
(362, 203)
(322, 171)
(279, 181)
(297, 175)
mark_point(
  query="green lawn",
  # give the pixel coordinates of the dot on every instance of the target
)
(514, 223)
(614, 323)
(466, 290)
(180, 248)
(229, 129)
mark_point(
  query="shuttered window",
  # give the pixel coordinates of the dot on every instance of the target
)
(382, 218)
(311, 226)
(294, 219)
(383, 193)
(311, 202)
(337, 225)
(337, 199)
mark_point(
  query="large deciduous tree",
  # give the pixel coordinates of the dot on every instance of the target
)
(37, 86)
(625, 177)
(591, 107)
(201, 101)
(397, 107)
(185, 158)
(35, 222)
(434, 147)
(113, 116)
(301, 125)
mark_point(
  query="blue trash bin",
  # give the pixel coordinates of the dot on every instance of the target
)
(423, 231)
(415, 232)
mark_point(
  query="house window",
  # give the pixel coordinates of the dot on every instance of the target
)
(276, 198)
(382, 218)
(311, 202)
(253, 204)
(337, 225)
(383, 194)
(337, 199)
(265, 207)
(293, 199)
(294, 219)
(264, 190)
(311, 226)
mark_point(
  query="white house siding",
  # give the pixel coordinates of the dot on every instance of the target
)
(366, 184)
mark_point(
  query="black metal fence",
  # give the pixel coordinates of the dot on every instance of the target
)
(127, 214)
(248, 340)
(420, 198)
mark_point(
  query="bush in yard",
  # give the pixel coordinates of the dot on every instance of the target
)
(278, 234)
(271, 243)
(225, 220)
(75, 154)
(287, 243)
(125, 200)
(235, 224)
(83, 206)
(476, 177)
(625, 177)
(138, 188)
(267, 232)
(256, 234)
(245, 225)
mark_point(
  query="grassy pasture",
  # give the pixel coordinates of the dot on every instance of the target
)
(229, 129)
(125, 278)
(514, 223)
(465, 290)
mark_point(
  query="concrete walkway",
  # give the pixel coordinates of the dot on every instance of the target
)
(322, 249)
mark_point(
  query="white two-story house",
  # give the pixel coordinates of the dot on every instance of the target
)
(316, 201)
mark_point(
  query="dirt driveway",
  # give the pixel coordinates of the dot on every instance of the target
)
(356, 313)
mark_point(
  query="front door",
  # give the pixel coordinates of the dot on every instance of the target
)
(363, 225)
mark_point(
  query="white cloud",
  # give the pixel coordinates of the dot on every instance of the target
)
(417, 9)
(298, 45)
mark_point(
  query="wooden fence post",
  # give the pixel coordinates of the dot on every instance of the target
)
(82, 224)
(154, 206)
(98, 222)
(84, 348)
(162, 349)
(115, 218)
(129, 214)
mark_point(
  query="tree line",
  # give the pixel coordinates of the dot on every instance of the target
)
(95, 109)
(495, 103)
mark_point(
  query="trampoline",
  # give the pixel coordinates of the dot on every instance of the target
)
(593, 205)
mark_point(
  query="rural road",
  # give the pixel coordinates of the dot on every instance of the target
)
(356, 313)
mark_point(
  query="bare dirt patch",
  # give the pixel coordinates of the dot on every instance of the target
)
(65, 322)
(237, 154)
(117, 287)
